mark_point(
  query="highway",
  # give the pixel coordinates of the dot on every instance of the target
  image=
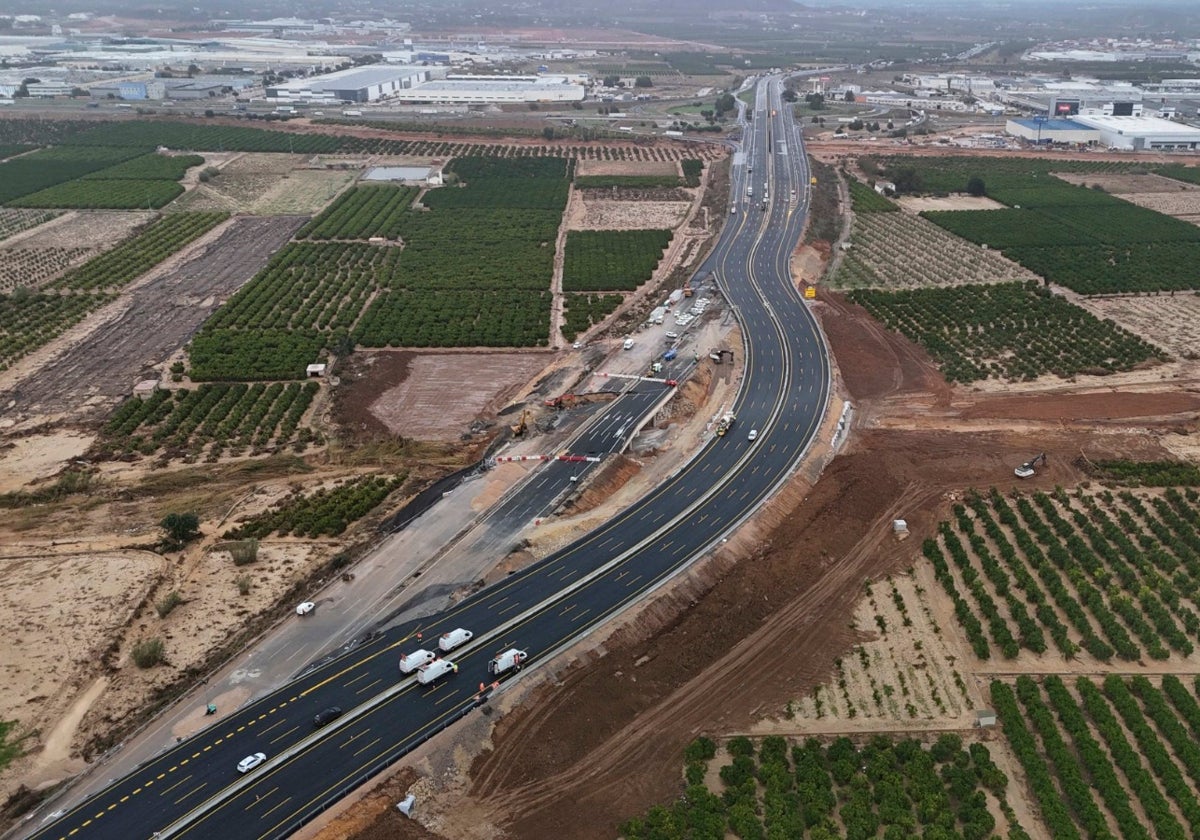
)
(194, 790)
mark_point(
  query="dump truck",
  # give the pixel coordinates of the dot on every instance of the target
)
(456, 637)
(434, 670)
(511, 658)
(725, 423)
(412, 661)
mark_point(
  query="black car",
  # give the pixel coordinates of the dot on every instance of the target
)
(328, 716)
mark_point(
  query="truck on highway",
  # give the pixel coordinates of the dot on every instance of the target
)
(725, 423)
(435, 670)
(449, 641)
(511, 658)
(412, 661)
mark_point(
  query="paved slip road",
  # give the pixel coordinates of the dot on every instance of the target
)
(194, 790)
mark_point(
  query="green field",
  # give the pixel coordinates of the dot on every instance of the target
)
(1012, 331)
(322, 513)
(612, 260)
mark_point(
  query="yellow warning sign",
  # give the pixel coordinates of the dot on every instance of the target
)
(810, 292)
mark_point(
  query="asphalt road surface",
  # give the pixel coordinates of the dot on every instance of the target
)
(195, 790)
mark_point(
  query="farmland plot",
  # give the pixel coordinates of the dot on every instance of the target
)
(302, 192)
(612, 260)
(325, 512)
(907, 672)
(102, 367)
(605, 214)
(783, 789)
(1007, 331)
(1112, 576)
(32, 268)
(243, 181)
(100, 230)
(1171, 322)
(14, 221)
(898, 250)
(211, 420)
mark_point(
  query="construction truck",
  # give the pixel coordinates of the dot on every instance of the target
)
(1026, 470)
(511, 658)
(725, 423)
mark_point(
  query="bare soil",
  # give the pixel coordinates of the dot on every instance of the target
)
(917, 204)
(430, 396)
(626, 167)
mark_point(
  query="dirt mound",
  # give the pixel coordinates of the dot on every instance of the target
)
(875, 362)
(615, 473)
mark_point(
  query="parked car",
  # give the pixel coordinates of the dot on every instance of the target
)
(250, 762)
(305, 608)
(327, 716)
(672, 335)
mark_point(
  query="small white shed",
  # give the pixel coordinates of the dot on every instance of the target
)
(313, 371)
(985, 718)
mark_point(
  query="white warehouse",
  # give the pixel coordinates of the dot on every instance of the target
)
(359, 84)
(490, 90)
(1143, 133)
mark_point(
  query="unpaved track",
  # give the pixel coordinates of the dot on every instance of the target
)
(161, 316)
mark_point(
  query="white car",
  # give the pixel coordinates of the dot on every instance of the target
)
(250, 762)
(576, 345)
(672, 335)
(753, 435)
(305, 608)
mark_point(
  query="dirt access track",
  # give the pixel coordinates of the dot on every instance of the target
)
(575, 753)
(86, 376)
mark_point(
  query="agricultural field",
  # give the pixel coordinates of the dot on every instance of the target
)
(32, 268)
(104, 195)
(98, 230)
(243, 180)
(14, 221)
(28, 321)
(362, 213)
(902, 251)
(1070, 234)
(50, 167)
(885, 787)
(474, 271)
(582, 311)
(604, 214)
(325, 512)
(589, 168)
(1169, 321)
(210, 421)
(134, 257)
(908, 673)
(1012, 331)
(863, 199)
(610, 260)
(1073, 736)
(627, 182)
(302, 192)
(142, 136)
(89, 377)
(1113, 576)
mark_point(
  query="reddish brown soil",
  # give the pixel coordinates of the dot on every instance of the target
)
(1084, 407)
(830, 150)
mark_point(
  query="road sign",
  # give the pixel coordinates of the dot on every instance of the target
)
(810, 292)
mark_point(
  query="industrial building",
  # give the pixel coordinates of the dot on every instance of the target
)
(1127, 133)
(496, 90)
(1138, 133)
(360, 84)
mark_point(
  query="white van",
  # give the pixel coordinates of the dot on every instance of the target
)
(435, 669)
(628, 345)
(415, 660)
(451, 640)
(511, 658)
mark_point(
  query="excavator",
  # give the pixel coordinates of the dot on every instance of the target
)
(522, 425)
(1026, 470)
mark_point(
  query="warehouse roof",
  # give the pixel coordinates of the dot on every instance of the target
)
(354, 78)
(1054, 125)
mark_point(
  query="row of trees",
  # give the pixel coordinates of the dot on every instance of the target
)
(325, 512)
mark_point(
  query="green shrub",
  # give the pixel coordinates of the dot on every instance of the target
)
(244, 552)
(148, 653)
(167, 603)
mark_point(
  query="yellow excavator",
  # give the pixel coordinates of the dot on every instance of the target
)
(522, 425)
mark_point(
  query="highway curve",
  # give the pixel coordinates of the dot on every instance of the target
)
(194, 790)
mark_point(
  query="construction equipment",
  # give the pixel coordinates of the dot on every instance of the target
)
(725, 423)
(718, 355)
(571, 400)
(1026, 470)
(522, 426)
(687, 291)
